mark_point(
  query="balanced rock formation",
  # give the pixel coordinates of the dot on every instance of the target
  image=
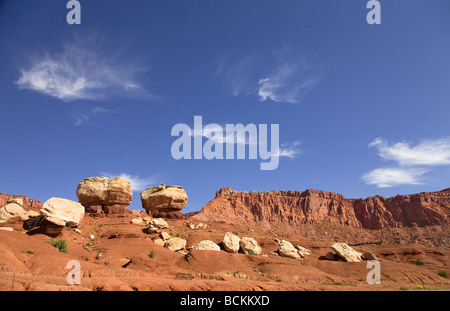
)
(105, 196)
(313, 207)
(164, 201)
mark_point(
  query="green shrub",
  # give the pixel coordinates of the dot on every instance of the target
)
(443, 274)
(152, 254)
(419, 262)
(404, 288)
(398, 241)
(250, 252)
(61, 245)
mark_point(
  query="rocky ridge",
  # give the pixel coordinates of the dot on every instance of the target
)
(313, 206)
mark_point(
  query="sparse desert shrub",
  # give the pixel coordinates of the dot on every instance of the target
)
(378, 242)
(404, 288)
(419, 262)
(61, 245)
(420, 287)
(152, 254)
(329, 282)
(443, 274)
(250, 252)
(398, 241)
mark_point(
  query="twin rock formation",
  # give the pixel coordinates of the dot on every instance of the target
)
(96, 195)
(100, 195)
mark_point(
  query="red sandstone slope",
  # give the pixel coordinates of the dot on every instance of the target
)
(313, 206)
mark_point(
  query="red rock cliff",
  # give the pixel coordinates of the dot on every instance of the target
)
(28, 204)
(313, 206)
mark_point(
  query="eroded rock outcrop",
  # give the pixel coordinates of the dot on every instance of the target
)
(164, 201)
(103, 195)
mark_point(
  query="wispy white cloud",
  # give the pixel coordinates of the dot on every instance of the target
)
(137, 183)
(282, 77)
(78, 72)
(428, 153)
(413, 161)
(287, 84)
(390, 177)
(290, 150)
(221, 137)
(85, 117)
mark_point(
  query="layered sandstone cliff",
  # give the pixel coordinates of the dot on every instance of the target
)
(313, 206)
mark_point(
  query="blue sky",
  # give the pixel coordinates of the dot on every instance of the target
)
(362, 109)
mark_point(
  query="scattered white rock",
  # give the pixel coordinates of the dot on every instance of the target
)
(250, 246)
(137, 221)
(159, 242)
(303, 251)
(63, 212)
(175, 244)
(208, 245)
(157, 224)
(12, 211)
(164, 235)
(286, 249)
(347, 253)
(6, 229)
(231, 242)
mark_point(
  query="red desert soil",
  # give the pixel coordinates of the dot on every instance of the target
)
(117, 258)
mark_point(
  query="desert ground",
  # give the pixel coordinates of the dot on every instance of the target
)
(116, 254)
